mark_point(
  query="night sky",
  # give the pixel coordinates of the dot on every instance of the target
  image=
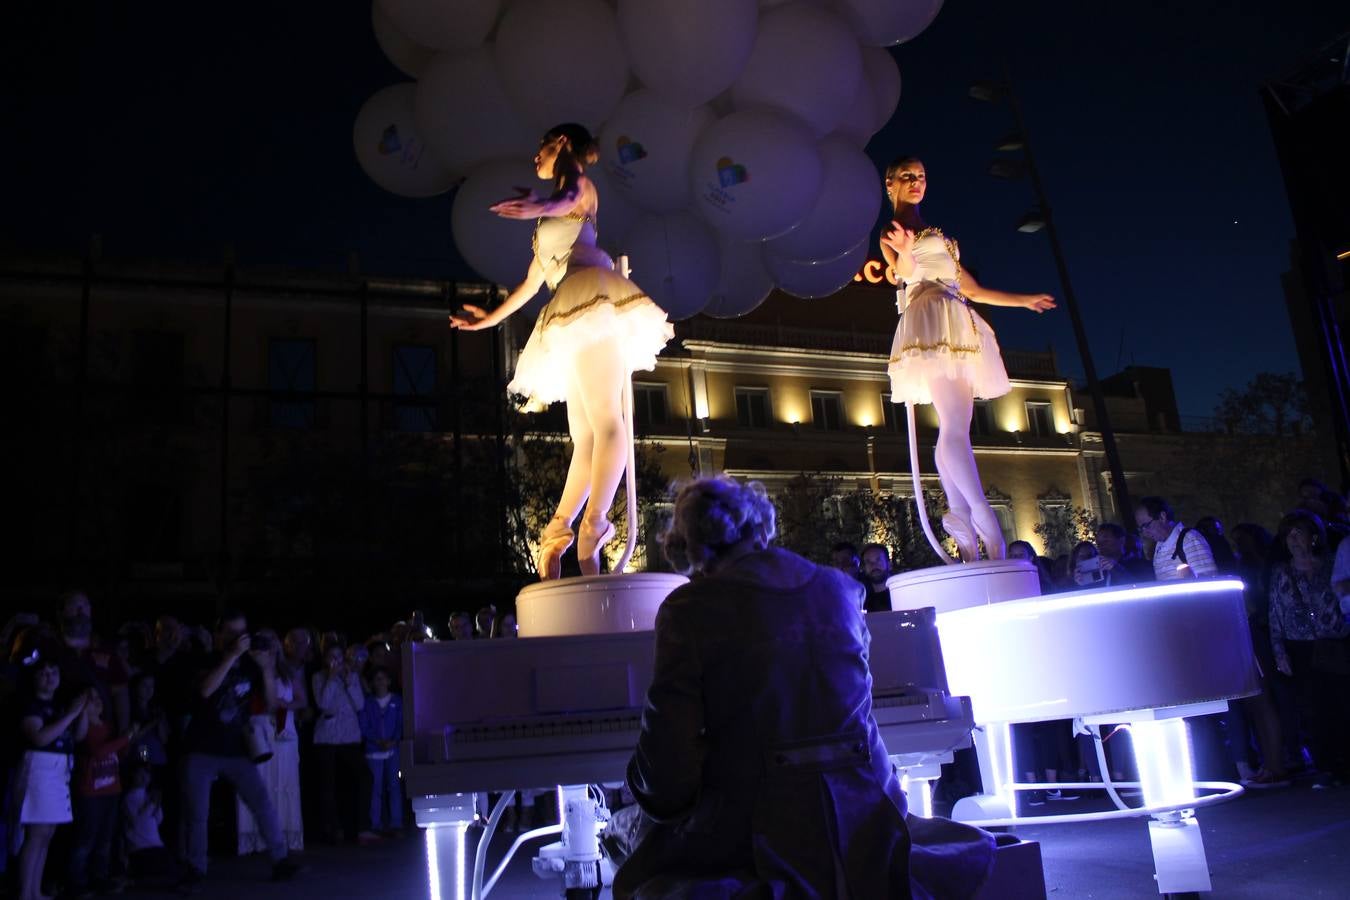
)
(172, 134)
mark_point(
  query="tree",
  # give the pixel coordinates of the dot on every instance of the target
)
(1271, 403)
(1064, 526)
(815, 513)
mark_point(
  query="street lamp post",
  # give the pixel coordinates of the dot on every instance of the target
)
(1034, 221)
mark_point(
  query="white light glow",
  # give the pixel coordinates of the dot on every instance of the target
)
(456, 834)
(1033, 607)
(1162, 751)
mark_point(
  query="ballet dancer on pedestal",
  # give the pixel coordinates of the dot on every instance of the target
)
(596, 330)
(944, 353)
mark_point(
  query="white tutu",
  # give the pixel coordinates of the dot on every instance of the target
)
(590, 304)
(941, 336)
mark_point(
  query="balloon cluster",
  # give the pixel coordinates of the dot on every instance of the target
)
(731, 131)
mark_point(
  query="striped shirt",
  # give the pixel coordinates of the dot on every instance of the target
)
(1199, 560)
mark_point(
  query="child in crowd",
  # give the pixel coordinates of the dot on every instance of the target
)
(381, 729)
(98, 792)
(142, 814)
(41, 795)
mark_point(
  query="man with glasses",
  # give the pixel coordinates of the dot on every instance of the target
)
(1179, 552)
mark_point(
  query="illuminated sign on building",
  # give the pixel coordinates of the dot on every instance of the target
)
(875, 272)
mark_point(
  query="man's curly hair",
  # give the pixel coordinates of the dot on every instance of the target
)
(711, 516)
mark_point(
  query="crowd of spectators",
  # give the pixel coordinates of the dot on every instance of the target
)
(129, 747)
(1298, 608)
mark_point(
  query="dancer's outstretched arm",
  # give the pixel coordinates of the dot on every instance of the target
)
(567, 198)
(975, 291)
(479, 318)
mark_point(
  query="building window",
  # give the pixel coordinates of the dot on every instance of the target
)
(827, 410)
(890, 413)
(157, 378)
(752, 407)
(290, 374)
(415, 379)
(649, 404)
(1039, 421)
(982, 419)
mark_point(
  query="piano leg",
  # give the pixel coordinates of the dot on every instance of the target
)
(1162, 751)
(994, 749)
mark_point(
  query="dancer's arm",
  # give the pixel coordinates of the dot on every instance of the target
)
(973, 290)
(479, 318)
(562, 201)
(897, 248)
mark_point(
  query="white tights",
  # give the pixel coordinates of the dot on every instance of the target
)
(595, 423)
(955, 401)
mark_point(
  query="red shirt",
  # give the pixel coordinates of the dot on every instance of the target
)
(96, 763)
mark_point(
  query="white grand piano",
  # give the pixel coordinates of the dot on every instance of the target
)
(539, 712)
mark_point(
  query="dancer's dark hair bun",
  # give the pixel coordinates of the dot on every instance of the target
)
(585, 150)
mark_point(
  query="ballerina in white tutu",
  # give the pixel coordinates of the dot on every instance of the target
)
(597, 330)
(944, 353)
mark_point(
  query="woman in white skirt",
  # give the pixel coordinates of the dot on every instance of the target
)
(41, 795)
(281, 773)
(944, 353)
(597, 330)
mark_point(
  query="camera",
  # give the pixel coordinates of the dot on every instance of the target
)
(260, 641)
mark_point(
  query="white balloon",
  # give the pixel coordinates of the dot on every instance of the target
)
(561, 61)
(498, 249)
(805, 60)
(856, 124)
(617, 215)
(845, 210)
(883, 76)
(464, 126)
(755, 174)
(645, 149)
(880, 23)
(810, 280)
(444, 24)
(674, 259)
(391, 151)
(744, 282)
(688, 50)
(408, 56)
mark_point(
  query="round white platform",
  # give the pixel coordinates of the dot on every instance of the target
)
(1101, 651)
(979, 583)
(594, 604)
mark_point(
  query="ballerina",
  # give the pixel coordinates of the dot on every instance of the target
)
(944, 353)
(596, 330)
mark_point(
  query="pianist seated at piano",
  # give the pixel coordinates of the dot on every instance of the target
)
(759, 771)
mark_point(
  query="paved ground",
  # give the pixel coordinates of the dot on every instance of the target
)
(1293, 843)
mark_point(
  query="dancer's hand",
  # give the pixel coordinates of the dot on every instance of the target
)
(476, 319)
(522, 206)
(1038, 303)
(899, 238)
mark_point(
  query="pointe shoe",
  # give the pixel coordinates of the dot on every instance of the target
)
(594, 536)
(553, 543)
(994, 543)
(967, 544)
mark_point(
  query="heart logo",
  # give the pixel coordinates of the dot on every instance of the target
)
(730, 174)
(389, 142)
(630, 151)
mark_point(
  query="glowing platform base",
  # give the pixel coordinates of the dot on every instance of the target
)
(948, 588)
(594, 604)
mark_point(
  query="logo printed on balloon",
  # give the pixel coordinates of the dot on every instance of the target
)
(630, 151)
(410, 153)
(730, 174)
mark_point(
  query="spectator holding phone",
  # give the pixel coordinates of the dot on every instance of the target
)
(339, 699)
